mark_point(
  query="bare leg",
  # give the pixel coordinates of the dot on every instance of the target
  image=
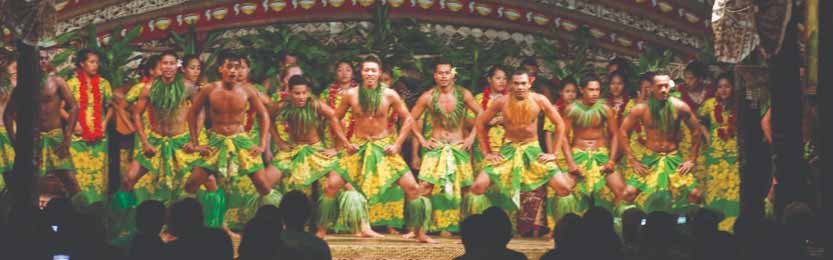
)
(616, 183)
(334, 183)
(412, 192)
(563, 184)
(694, 196)
(211, 184)
(199, 176)
(630, 194)
(264, 181)
(481, 184)
(134, 172)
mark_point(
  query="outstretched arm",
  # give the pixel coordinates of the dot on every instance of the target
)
(416, 112)
(471, 104)
(256, 102)
(565, 144)
(480, 124)
(613, 129)
(404, 115)
(335, 124)
(138, 110)
(194, 127)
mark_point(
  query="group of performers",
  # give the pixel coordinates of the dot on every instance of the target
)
(236, 145)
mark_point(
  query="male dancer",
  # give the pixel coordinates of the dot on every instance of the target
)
(660, 179)
(520, 165)
(377, 165)
(446, 167)
(230, 153)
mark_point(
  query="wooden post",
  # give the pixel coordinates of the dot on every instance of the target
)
(825, 113)
(22, 185)
(785, 87)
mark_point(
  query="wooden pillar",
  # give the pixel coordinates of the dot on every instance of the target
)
(785, 88)
(22, 185)
(825, 114)
(753, 152)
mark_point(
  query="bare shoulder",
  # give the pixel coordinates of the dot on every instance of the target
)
(639, 108)
(540, 99)
(680, 105)
(389, 92)
(499, 102)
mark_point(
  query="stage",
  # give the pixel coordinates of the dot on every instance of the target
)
(347, 247)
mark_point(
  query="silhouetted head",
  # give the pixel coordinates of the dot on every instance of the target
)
(261, 238)
(186, 218)
(567, 230)
(295, 207)
(216, 245)
(150, 216)
(631, 224)
(473, 233)
(705, 222)
(270, 212)
(498, 224)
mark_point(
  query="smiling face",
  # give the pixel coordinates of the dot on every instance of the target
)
(370, 74)
(520, 86)
(724, 89)
(443, 75)
(662, 87)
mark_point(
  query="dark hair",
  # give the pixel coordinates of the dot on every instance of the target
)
(587, 79)
(228, 55)
(372, 58)
(186, 218)
(620, 62)
(83, 55)
(442, 61)
(519, 72)
(299, 80)
(261, 238)
(500, 225)
(617, 73)
(567, 81)
(187, 58)
(647, 76)
(148, 64)
(295, 208)
(660, 72)
(697, 68)
(473, 233)
(343, 61)
(529, 61)
(493, 70)
(169, 53)
(567, 230)
(727, 76)
(282, 55)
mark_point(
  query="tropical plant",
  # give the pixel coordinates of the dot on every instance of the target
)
(471, 59)
(653, 59)
(190, 44)
(575, 63)
(116, 52)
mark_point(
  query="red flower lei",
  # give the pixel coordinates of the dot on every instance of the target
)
(487, 93)
(96, 132)
(727, 131)
(331, 101)
(690, 102)
(620, 112)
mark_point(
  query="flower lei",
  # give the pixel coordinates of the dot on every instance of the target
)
(332, 94)
(96, 132)
(688, 100)
(620, 109)
(453, 119)
(484, 103)
(724, 132)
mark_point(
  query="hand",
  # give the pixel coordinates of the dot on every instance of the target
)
(77, 131)
(63, 149)
(467, 144)
(686, 167)
(148, 150)
(496, 121)
(189, 147)
(416, 163)
(609, 167)
(329, 152)
(638, 167)
(392, 149)
(573, 169)
(283, 146)
(430, 145)
(352, 148)
(256, 150)
(494, 157)
(546, 157)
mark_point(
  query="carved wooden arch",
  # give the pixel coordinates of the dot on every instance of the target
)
(520, 16)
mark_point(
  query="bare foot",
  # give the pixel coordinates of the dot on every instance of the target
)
(445, 234)
(233, 235)
(423, 238)
(393, 231)
(409, 235)
(368, 232)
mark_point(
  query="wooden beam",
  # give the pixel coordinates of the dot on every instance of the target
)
(682, 25)
(87, 8)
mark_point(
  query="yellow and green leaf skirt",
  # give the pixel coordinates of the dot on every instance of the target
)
(6, 154)
(166, 169)
(663, 188)
(519, 171)
(496, 134)
(723, 190)
(449, 169)
(375, 174)
(49, 159)
(90, 161)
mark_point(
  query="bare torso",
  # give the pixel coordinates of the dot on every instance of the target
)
(175, 123)
(309, 136)
(448, 103)
(657, 140)
(227, 109)
(522, 133)
(49, 116)
(371, 126)
(591, 137)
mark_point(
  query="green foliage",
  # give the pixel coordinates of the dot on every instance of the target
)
(471, 59)
(652, 60)
(189, 44)
(575, 60)
(114, 55)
